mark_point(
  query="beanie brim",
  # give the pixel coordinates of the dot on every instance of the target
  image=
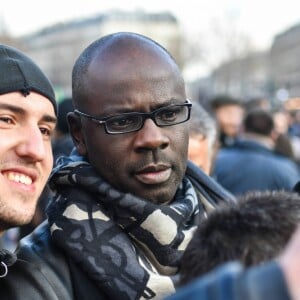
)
(20, 73)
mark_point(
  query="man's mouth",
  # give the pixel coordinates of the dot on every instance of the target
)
(18, 177)
(154, 174)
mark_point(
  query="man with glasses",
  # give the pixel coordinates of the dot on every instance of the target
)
(134, 121)
(126, 201)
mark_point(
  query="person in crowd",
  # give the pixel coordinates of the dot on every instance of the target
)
(257, 102)
(126, 201)
(62, 143)
(252, 231)
(286, 143)
(251, 163)
(27, 121)
(283, 142)
(228, 113)
(203, 140)
(294, 128)
(283, 145)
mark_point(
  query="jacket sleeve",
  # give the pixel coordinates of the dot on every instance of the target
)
(44, 272)
(41, 271)
(231, 282)
(25, 281)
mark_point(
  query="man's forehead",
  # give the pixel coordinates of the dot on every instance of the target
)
(34, 102)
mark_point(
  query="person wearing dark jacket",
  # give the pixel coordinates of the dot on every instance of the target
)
(126, 201)
(251, 162)
(27, 120)
(62, 143)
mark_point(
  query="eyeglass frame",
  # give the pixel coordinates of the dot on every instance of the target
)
(150, 115)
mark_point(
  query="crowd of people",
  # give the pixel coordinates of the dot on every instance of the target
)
(136, 203)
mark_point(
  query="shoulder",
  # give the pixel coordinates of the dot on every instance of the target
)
(38, 249)
(41, 270)
(284, 164)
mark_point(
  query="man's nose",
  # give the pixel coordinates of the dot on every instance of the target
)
(32, 144)
(150, 136)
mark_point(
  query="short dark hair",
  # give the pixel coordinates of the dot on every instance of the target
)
(252, 230)
(223, 100)
(259, 121)
(64, 107)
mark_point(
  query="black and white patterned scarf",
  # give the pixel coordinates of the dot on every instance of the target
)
(129, 246)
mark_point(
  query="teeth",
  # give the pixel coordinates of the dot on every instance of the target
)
(21, 178)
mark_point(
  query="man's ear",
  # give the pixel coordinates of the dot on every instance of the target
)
(76, 132)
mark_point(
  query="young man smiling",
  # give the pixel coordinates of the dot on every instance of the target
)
(27, 120)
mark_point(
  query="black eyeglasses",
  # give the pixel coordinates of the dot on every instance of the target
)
(134, 121)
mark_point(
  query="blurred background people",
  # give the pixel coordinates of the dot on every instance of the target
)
(283, 141)
(256, 103)
(228, 112)
(293, 124)
(203, 140)
(62, 143)
(251, 162)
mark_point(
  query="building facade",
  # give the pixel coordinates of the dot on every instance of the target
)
(246, 77)
(285, 62)
(56, 48)
(274, 73)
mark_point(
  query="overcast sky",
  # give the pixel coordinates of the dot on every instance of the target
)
(259, 20)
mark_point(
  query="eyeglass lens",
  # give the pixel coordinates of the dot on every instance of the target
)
(134, 121)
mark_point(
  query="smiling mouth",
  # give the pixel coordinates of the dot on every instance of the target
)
(18, 178)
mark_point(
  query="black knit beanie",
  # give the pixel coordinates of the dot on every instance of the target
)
(19, 73)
